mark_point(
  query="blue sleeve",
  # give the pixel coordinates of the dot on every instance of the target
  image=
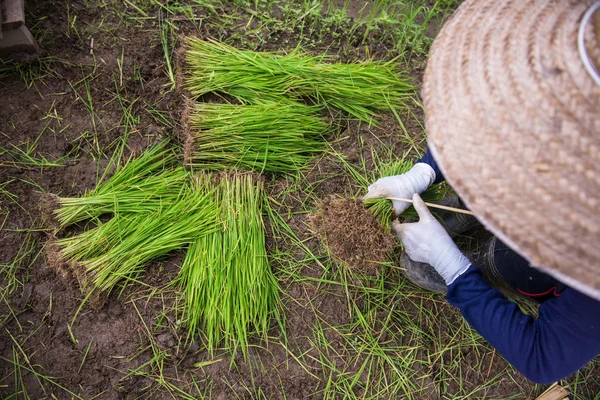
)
(428, 159)
(564, 337)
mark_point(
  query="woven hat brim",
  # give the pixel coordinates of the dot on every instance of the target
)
(513, 119)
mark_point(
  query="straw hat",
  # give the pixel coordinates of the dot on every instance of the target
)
(512, 107)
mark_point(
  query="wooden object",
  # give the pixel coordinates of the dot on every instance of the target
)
(17, 40)
(13, 14)
(14, 35)
(432, 205)
(554, 392)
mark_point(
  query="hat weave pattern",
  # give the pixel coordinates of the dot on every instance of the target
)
(513, 119)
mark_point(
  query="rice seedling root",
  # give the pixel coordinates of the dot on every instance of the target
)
(352, 234)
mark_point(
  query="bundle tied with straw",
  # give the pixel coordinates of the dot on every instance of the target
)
(382, 209)
(230, 291)
(269, 137)
(360, 89)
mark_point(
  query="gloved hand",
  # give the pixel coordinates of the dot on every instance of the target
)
(427, 241)
(417, 180)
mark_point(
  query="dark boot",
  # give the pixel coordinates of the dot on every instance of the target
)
(508, 271)
(455, 223)
(422, 274)
(485, 261)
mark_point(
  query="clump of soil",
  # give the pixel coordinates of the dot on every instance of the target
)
(352, 233)
(48, 203)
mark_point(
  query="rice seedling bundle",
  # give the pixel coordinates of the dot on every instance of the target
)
(381, 208)
(229, 289)
(359, 89)
(95, 241)
(147, 237)
(255, 77)
(270, 137)
(249, 76)
(139, 186)
(151, 216)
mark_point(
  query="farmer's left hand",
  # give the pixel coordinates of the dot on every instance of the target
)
(417, 180)
(427, 241)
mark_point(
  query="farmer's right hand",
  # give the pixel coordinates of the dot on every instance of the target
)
(417, 180)
(427, 241)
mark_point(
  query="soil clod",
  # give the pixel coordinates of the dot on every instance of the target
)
(352, 234)
(47, 204)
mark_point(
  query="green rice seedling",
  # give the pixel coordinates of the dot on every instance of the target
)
(120, 248)
(165, 34)
(381, 208)
(358, 89)
(141, 196)
(192, 215)
(100, 239)
(252, 77)
(229, 289)
(141, 185)
(387, 164)
(248, 76)
(270, 137)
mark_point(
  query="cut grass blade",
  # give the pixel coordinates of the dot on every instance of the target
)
(229, 288)
(359, 89)
(272, 137)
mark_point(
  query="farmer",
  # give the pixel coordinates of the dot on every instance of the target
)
(512, 104)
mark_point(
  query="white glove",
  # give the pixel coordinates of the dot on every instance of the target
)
(427, 241)
(417, 180)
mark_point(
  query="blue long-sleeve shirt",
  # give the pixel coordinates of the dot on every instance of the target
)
(564, 337)
(428, 159)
